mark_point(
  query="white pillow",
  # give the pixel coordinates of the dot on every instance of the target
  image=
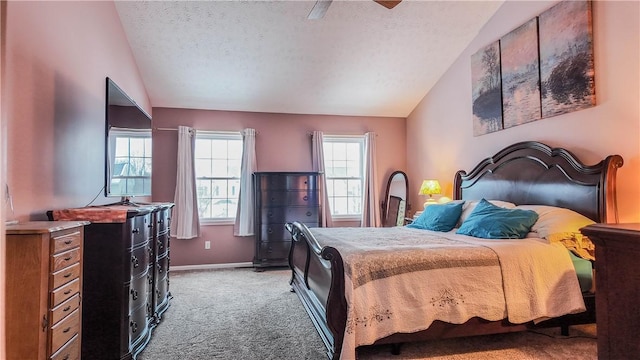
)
(468, 207)
(560, 225)
(554, 220)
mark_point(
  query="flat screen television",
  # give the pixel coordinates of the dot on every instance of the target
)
(128, 146)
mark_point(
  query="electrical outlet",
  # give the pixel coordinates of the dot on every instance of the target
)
(207, 245)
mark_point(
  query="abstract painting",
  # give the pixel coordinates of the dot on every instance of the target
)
(520, 75)
(566, 58)
(486, 93)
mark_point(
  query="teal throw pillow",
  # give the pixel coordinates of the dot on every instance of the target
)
(493, 222)
(439, 217)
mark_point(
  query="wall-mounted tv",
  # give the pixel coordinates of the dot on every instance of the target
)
(128, 146)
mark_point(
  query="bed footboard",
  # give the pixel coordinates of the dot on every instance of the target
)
(317, 276)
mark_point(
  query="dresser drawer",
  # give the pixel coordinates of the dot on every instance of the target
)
(274, 250)
(162, 221)
(67, 307)
(162, 267)
(62, 241)
(137, 290)
(65, 259)
(271, 232)
(138, 323)
(64, 292)
(288, 181)
(289, 214)
(289, 198)
(70, 350)
(140, 229)
(65, 275)
(140, 259)
(162, 244)
(64, 331)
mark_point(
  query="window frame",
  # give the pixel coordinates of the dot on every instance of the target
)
(360, 140)
(218, 135)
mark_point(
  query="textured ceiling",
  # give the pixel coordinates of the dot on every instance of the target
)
(266, 56)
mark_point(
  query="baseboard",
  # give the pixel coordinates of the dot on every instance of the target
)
(211, 266)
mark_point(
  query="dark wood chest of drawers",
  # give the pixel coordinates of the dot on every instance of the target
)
(44, 290)
(126, 288)
(282, 197)
(617, 288)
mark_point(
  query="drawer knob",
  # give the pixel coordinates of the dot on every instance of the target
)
(66, 330)
(305, 198)
(134, 294)
(66, 309)
(67, 292)
(67, 275)
(134, 326)
(135, 231)
(135, 261)
(66, 357)
(308, 213)
(67, 258)
(67, 242)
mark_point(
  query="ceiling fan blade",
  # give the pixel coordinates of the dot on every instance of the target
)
(319, 9)
(389, 4)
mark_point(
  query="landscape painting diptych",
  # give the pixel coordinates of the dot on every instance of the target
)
(541, 69)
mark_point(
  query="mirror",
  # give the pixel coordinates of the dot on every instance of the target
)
(128, 146)
(395, 202)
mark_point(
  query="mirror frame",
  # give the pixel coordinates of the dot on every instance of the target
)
(385, 201)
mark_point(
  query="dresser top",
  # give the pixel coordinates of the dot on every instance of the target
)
(42, 227)
(106, 213)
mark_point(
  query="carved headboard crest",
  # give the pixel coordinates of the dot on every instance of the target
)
(534, 173)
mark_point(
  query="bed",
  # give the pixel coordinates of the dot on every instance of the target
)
(530, 175)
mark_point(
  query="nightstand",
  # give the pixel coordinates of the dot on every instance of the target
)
(618, 288)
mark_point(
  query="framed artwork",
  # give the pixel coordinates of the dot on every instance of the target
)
(566, 58)
(486, 91)
(520, 75)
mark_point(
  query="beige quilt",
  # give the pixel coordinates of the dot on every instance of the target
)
(400, 280)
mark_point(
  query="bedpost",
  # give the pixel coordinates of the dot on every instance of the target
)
(609, 201)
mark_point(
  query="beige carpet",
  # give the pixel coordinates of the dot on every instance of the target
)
(242, 314)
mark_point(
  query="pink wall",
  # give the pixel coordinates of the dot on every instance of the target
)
(58, 55)
(282, 144)
(440, 140)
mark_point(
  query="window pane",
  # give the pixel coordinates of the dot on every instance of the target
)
(219, 148)
(203, 149)
(219, 168)
(340, 206)
(203, 168)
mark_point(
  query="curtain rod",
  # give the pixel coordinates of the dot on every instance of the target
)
(222, 132)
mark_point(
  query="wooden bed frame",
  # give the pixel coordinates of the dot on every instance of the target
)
(523, 173)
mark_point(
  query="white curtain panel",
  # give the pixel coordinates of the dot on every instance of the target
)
(244, 225)
(370, 209)
(317, 159)
(186, 222)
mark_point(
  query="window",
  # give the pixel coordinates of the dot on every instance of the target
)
(344, 171)
(130, 162)
(218, 160)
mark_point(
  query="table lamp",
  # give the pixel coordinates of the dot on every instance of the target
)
(430, 187)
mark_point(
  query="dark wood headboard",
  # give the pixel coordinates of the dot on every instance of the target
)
(536, 174)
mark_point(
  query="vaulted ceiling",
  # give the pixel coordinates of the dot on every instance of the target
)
(266, 56)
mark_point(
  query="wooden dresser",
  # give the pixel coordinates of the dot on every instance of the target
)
(618, 288)
(44, 290)
(282, 197)
(126, 271)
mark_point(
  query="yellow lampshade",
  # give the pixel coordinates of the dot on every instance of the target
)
(430, 187)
